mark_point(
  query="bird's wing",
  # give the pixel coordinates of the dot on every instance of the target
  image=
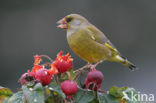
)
(99, 37)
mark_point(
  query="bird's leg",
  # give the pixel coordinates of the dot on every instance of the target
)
(82, 68)
(93, 66)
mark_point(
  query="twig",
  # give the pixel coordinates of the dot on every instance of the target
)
(47, 64)
(69, 76)
(57, 79)
(46, 56)
(76, 76)
(80, 71)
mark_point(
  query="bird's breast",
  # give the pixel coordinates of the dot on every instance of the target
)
(89, 50)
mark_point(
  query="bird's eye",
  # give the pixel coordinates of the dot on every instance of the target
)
(69, 19)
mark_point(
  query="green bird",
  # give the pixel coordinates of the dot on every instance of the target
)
(89, 43)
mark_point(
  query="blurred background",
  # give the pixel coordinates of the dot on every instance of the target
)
(28, 27)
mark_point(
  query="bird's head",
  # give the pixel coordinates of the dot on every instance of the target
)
(72, 21)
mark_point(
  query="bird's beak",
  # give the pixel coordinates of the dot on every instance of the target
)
(62, 23)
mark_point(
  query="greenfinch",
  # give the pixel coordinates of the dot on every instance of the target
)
(89, 43)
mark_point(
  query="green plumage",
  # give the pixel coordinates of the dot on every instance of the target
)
(88, 49)
(90, 43)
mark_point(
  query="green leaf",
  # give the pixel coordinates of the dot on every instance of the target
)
(5, 93)
(16, 98)
(117, 92)
(33, 95)
(83, 96)
(95, 100)
(49, 100)
(57, 89)
(49, 96)
(106, 98)
(131, 92)
(28, 95)
(124, 94)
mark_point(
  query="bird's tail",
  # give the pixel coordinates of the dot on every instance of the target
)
(127, 63)
(124, 61)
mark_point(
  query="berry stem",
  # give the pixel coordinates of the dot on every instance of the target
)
(47, 65)
(69, 76)
(46, 56)
(76, 76)
(81, 69)
(57, 79)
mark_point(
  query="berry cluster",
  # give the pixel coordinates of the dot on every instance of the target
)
(44, 73)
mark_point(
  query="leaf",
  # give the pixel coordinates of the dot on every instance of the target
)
(5, 93)
(49, 100)
(49, 96)
(33, 95)
(16, 98)
(94, 101)
(106, 98)
(117, 92)
(57, 89)
(28, 95)
(123, 94)
(83, 96)
(131, 92)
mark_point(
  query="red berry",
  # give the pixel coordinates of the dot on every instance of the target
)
(95, 76)
(35, 69)
(94, 80)
(62, 62)
(69, 87)
(92, 85)
(25, 78)
(43, 76)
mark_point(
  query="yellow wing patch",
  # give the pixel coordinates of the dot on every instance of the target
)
(111, 48)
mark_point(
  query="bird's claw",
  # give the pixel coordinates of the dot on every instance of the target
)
(92, 67)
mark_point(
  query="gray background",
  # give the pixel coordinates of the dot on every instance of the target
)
(28, 27)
